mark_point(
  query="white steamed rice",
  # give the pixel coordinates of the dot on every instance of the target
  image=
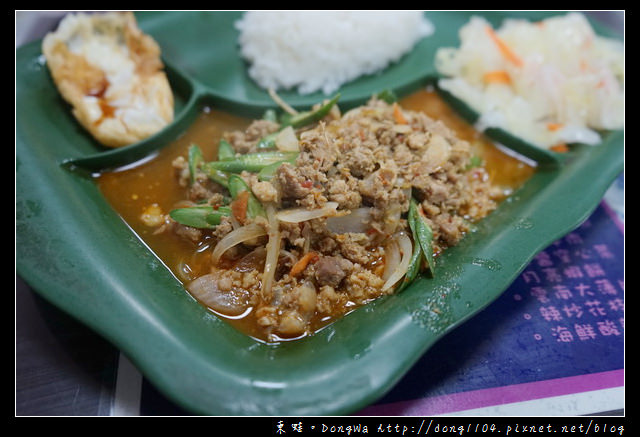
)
(322, 50)
(564, 85)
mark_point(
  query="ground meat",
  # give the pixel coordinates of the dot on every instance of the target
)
(418, 140)
(326, 299)
(317, 150)
(246, 141)
(331, 270)
(181, 168)
(201, 189)
(291, 185)
(365, 159)
(359, 160)
(291, 323)
(345, 192)
(435, 190)
(355, 247)
(450, 228)
(223, 228)
(362, 285)
(377, 186)
(264, 191)
(187, 232)
(292, 234)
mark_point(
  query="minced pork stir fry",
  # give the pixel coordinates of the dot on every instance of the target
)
(312, 214)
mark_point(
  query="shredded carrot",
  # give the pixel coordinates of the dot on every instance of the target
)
(504, 48)
(554, 126)
(398, 115)
(560, 148)
(497, 76)
(302, 263)
(239, 206)
(584, 66)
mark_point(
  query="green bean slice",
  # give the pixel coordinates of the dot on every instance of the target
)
(416, 259)
(225, 150)
(305, 118)
(268, 172)
(422, 234)
(294, 120)
(195, 160)
(388, 96)
(268, 141)
(252, 162)
(216, 175)
(236, 186)
(201, 217)
(270, 115)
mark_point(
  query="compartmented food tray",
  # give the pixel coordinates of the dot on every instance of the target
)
(74, 249)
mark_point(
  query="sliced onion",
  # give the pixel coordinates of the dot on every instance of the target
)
(306, 234)
(273, 250)
(234, 222)
(205, 289)
(392, 218)
(392, 258)
(298, 215)
(236, 237)
(357, 221)
(396, 272)
(286, 140)
(285, 254)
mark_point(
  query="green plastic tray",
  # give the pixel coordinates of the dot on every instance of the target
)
(74, 249)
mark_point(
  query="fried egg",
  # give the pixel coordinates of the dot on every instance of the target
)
(111, 74)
